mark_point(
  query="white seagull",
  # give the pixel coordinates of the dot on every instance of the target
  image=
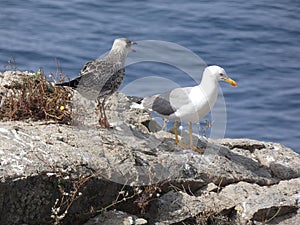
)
(188, 104)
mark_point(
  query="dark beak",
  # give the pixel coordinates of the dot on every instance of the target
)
(133, 43)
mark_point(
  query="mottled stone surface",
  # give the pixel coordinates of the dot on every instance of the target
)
(99, 170)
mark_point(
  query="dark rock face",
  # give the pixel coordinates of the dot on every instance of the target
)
(53, 173)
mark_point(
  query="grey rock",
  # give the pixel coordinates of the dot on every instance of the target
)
(10, 78)
(251, 202)
(116, 217)
(46, 168)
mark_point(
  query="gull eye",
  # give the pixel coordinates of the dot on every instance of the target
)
(222, 74)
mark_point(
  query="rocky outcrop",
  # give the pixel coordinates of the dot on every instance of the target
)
(135, 174)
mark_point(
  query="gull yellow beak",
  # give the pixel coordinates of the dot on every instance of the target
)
(230, 81)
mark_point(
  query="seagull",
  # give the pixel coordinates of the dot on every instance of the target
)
(100, 78)
(188, 104)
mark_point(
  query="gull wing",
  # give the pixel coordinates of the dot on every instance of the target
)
(169, 102)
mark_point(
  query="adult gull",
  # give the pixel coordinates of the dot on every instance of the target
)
(188, 104)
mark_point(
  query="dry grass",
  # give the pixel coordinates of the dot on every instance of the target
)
(32, 96)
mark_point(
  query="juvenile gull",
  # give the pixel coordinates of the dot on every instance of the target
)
(100, 78)
(189, 104)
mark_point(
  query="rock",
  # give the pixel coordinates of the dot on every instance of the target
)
(116, 217)
(270, 155)
(70, 174)
(174, 207)
(249, 202)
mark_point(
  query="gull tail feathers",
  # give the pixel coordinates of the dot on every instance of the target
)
(141, 102)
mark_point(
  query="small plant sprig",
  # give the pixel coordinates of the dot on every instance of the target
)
(11, 63)
(63, 204)
(148, 194)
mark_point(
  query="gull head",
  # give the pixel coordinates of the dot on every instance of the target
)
(218, 73)
(123, 44)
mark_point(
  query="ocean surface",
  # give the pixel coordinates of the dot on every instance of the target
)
(257, 42)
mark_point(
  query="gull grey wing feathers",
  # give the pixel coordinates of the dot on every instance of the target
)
(99, 78)
(162, 105)
(169, 102)
(74, 83)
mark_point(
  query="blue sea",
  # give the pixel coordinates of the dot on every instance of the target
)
(257, 42)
